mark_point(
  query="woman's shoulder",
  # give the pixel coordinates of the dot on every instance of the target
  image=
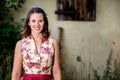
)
(18, 45)
(52, 40)
(25, 38)
(49, 39)
(18, 42)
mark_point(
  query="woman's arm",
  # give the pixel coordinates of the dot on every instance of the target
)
(56, 66)
(17, 65)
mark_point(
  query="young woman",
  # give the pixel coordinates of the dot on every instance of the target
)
(36, 52)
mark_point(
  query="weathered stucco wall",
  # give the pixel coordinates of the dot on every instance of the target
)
(92, 41)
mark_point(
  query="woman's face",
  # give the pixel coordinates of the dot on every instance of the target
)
(36, 22)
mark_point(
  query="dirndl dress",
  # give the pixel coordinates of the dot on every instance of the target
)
(37, 66)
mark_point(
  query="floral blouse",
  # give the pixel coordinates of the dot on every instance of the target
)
(37, 63)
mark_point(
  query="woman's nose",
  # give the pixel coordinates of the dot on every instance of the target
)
(37, 23)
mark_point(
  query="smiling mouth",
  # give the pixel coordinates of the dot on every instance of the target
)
(37, 28)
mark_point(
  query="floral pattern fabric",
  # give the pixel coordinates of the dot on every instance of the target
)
(37, 63)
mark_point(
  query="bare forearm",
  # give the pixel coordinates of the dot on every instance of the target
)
(15, 77)
(57, 75)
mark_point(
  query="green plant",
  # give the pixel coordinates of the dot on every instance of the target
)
(96, 75)
(9, 35)
(116, 72)
(107, 74)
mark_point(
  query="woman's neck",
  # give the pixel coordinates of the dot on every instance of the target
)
(37, 37)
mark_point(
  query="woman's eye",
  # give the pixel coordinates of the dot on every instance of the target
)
(40, 20)
(36, 21)
(33, 20)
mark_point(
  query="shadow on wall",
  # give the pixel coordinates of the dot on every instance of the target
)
(69, 70)
(82, 70)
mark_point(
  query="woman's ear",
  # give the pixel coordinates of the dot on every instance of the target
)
(28, 23)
